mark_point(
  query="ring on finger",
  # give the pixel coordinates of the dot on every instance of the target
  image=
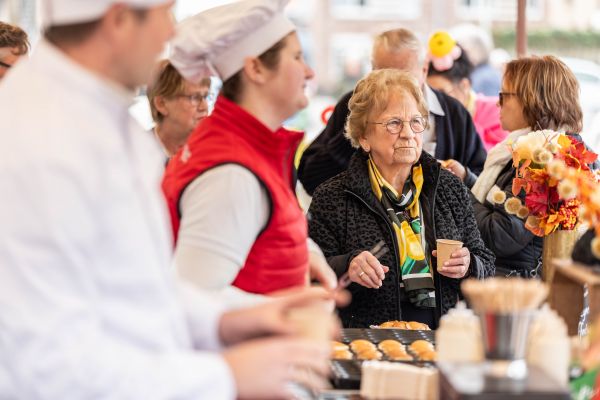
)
(361, 274)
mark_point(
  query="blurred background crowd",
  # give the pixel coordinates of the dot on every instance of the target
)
(337, 36)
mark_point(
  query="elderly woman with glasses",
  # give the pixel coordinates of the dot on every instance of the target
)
(395, 192)
(537, 93)
(177, 106)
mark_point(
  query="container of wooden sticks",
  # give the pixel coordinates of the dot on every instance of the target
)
(506, 308)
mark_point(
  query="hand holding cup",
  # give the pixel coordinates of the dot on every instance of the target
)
(453, 259)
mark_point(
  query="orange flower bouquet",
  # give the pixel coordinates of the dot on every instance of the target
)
(559, 188)
(550, 168)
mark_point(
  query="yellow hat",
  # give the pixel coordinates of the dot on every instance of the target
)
(441, 44)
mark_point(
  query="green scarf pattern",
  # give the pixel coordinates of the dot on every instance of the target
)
(404, 213)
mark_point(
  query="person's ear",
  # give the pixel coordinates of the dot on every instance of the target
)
(117, 21)
(117, 28)
(424, 72)
(255, 70)
(364, 144)
(160, 105)
(465, 85)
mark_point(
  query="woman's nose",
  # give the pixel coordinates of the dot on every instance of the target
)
(406, 131)
(309, 73)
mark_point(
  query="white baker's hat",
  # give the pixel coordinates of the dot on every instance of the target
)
(218, 40)
(66, 12)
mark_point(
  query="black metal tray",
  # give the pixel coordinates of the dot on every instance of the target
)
(404, 336)
(346, 374)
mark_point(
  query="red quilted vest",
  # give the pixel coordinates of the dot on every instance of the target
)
(278, 258)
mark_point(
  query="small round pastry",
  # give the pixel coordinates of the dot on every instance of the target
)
(394, 324)
(414, 325)
(341, 355)
(372, 354)
(389, 345)
(389, 324)
(360, 345)
(335, 346)
(400, 325)
(397, 355)
(429, 355)
(420, 346)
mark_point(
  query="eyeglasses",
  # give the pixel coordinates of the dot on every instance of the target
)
(502, 95)
(197, 98)
(5, 65)
(395, 125)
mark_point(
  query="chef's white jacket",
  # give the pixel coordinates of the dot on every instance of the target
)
(89, 307)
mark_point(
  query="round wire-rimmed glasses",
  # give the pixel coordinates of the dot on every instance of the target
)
(197, 98)
(395, 125)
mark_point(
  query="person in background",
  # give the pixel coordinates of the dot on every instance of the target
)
(177, 106)
(395, 192)
(450, 133)
(537, 93)
(453, 78)
(236, 221)
(587, 249)
(13, 45)
(478, 44)
(89, 307)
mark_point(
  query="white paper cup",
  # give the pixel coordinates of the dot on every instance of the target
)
(445, 247)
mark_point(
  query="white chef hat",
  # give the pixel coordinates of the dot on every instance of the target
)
(218, 40)
(66, 12)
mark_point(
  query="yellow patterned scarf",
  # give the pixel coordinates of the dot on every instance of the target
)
(404, 213)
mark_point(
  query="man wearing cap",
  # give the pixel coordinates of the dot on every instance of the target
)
(236, 220)
(451, 133)
(89, 307)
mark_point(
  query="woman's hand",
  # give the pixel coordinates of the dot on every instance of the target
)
(366, 270)
(456, 168)
(457, 265)
(263, 368)
(271, 317)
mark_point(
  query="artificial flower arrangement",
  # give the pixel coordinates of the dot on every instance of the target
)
(560, 189)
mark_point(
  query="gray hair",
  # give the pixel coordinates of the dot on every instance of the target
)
(400, 39)
(477, 42)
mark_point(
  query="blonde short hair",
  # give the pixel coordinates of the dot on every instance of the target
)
(371, 97)
(167, 82)
(548, 91)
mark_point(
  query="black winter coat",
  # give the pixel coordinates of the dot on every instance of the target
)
(518, 251)
(345, 218)
(329, 154)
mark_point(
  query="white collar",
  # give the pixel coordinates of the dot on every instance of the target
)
(432, 101)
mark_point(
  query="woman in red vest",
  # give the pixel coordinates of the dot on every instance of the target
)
(230, 189)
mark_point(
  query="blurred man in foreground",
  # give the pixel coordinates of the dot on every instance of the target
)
(89, 305)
